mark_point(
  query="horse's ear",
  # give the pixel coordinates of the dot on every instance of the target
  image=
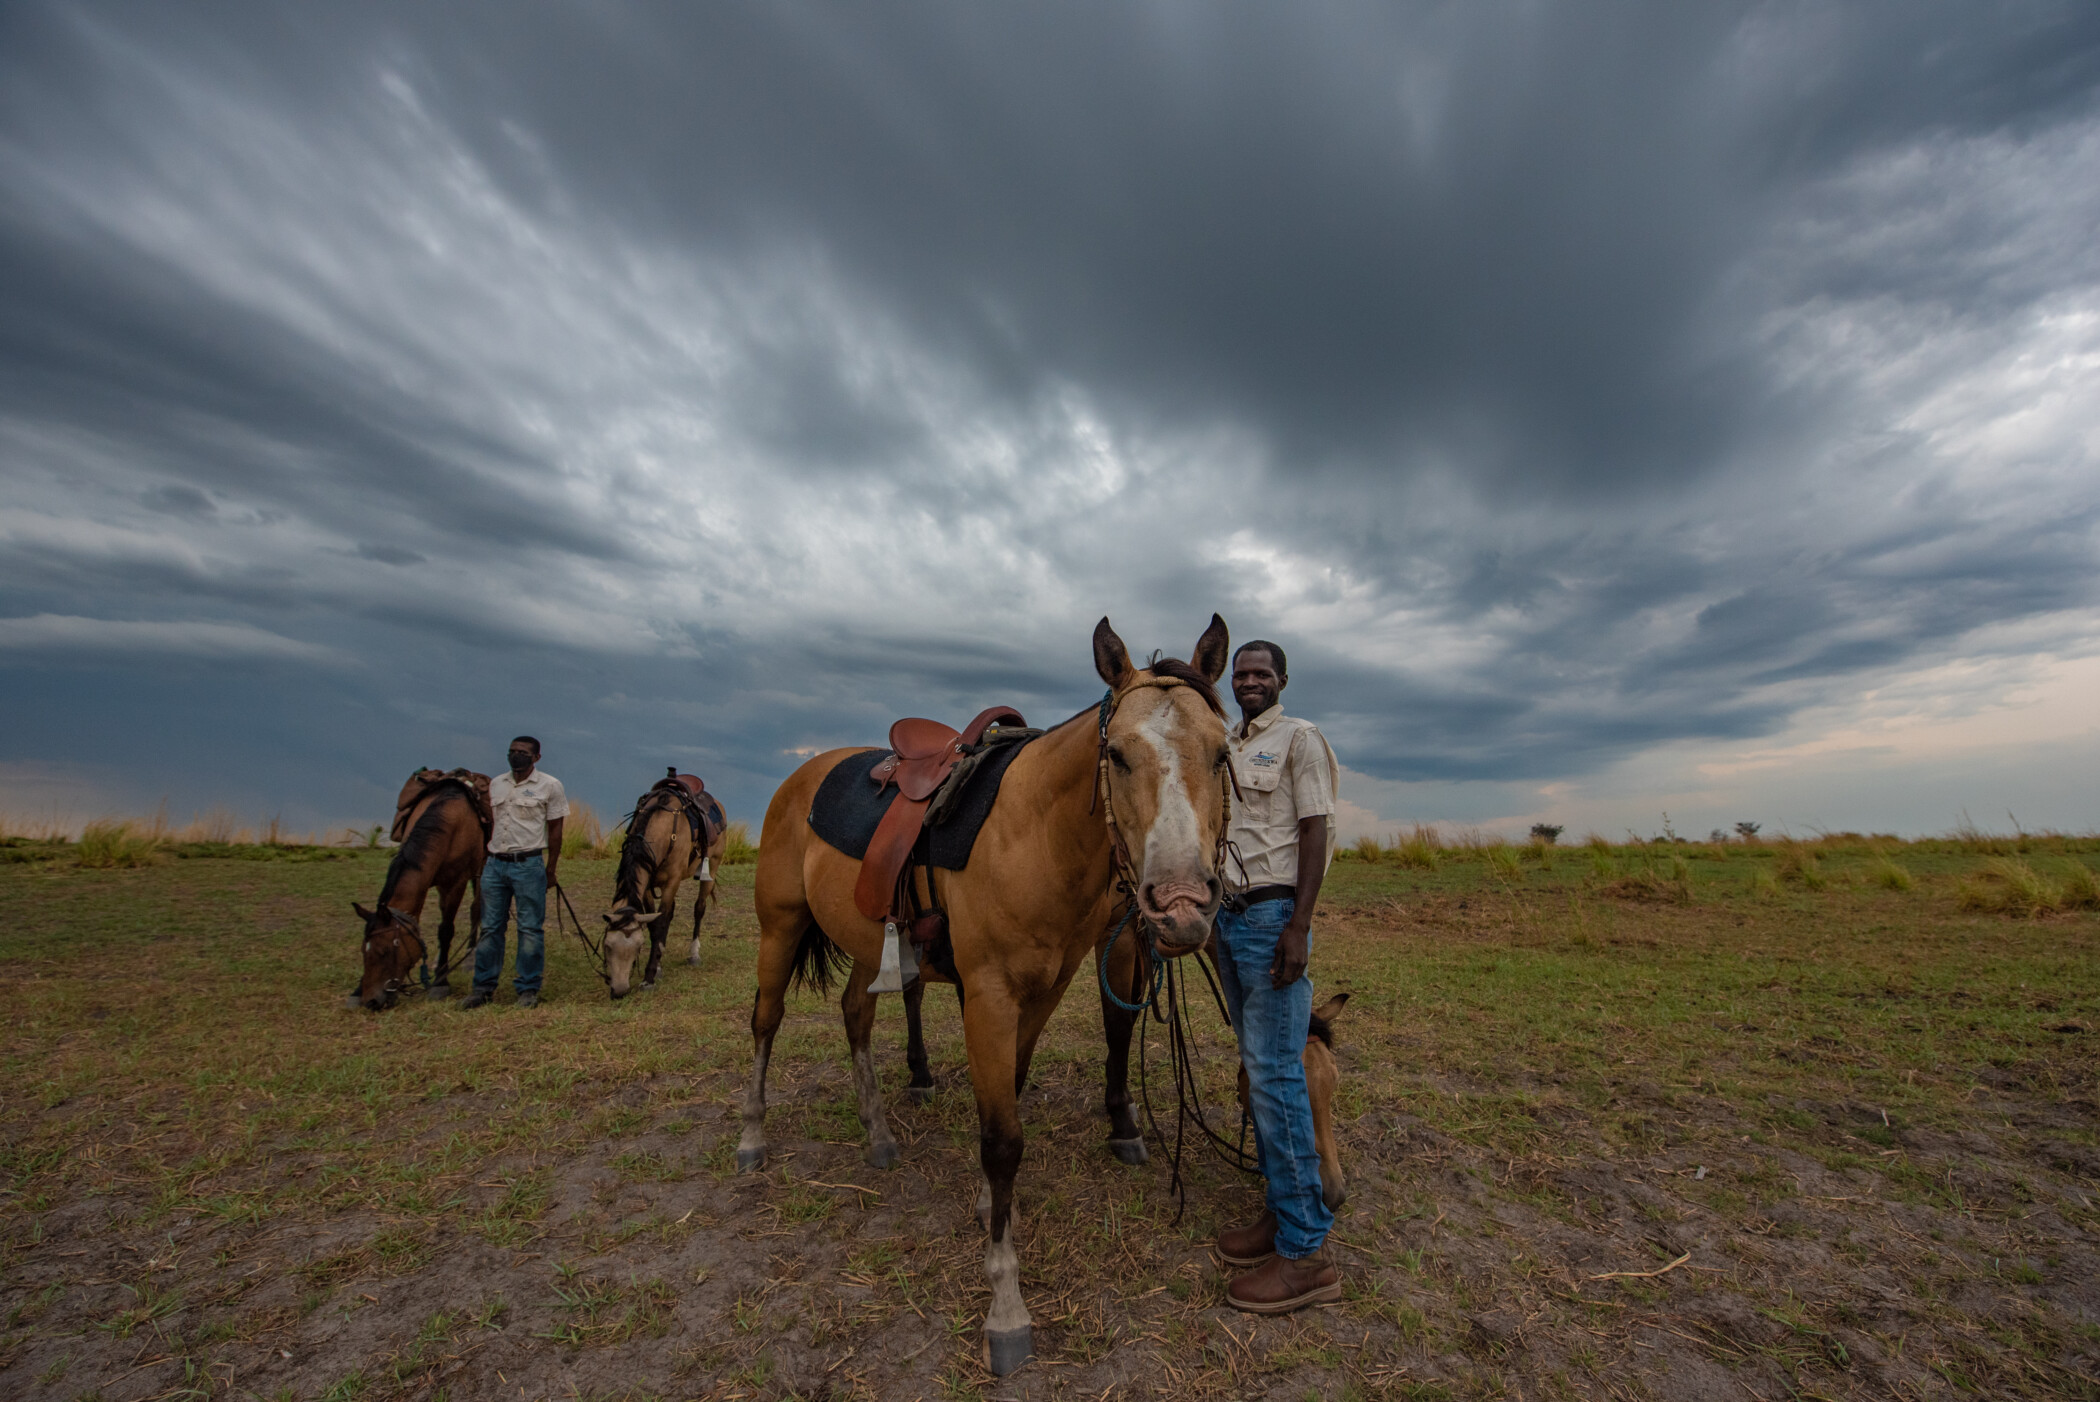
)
(607, 918)
(1111, 658)
(1209, 656)
(1330, 1009)
(362, 913)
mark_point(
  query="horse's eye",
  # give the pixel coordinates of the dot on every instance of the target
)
(1116, 757)
(1222, 760)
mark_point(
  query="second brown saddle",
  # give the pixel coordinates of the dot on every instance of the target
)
(922, 752)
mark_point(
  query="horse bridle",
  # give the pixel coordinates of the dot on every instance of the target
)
(403, 920)
(1126, 871)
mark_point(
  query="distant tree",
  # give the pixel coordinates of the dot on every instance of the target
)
(1747, 831)
(1717, 836)
(1546, 834)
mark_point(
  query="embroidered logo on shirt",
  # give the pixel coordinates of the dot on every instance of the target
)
(1262, 759)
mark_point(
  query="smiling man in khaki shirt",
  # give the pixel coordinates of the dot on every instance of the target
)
(1283, 831)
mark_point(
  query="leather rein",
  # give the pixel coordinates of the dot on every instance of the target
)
(1164, 977)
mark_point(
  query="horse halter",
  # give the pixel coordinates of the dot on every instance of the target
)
(401, 920)
(1126, 870)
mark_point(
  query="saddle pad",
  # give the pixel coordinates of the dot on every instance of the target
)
(848, 806)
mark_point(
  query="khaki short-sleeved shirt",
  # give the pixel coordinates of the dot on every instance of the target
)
(524, 810)
(1286, 771)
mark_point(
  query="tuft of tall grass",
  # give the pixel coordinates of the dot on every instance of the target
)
(1797, 863)
(2081, 889)
(215, 826)
(1502, 860)
(1889, 876)
(737, 847)
(1422, 848)
(1368, 848)
(108, 843)
(2008, 886)
(582, 835)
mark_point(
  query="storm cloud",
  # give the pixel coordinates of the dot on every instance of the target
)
(1563, 384)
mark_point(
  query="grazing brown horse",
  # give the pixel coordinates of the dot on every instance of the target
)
(444, 848)
(673, 834)
(1132, 793)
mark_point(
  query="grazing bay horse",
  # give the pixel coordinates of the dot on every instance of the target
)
(677, 830)
(445, 848)
(1117, 814)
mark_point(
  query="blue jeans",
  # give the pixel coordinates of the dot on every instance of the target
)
(501, 883)
(1272, 1024)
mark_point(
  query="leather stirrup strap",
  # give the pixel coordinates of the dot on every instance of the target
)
(888, 850)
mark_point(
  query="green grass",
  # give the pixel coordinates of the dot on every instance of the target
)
(1531, 1031)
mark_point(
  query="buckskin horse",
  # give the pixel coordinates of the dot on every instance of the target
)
(1118, 813)
(677, 830)
(444, 847)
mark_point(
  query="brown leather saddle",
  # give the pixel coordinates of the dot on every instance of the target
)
(922, 754)
(423, 781)
(701, 810)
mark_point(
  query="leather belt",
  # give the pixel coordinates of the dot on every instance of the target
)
(1255, 895)
(517, 856)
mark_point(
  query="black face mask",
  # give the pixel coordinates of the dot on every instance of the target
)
(521, 759)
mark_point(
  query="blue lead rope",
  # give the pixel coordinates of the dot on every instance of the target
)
(1152, 997)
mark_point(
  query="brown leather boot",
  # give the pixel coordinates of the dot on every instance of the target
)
(1249, 1245)
(1281, 1285)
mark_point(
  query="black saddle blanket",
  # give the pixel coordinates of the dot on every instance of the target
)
(848, 806)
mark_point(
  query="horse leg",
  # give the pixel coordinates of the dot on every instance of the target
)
(921, 1087)
(700, 903)
(1125, 1140)
(776, 960)
(857, 1005)
(448, 914)
(989, 1025)
(659, 931)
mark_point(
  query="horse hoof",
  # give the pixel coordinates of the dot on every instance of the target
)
(648, 983)
(439, 990)
(882, 1155)
(919, 1095)
(750, 1160)
(1007, 1349)
(1130, 1151)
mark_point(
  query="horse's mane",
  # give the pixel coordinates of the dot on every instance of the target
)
(416, 846)
(1182, 672)
(637, 869)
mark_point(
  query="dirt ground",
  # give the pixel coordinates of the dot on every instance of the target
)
(1769, 1139)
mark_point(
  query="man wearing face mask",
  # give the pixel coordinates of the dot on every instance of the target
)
(524, 851)
(1283, 835)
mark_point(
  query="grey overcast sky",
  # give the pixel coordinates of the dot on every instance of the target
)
(1612, 408)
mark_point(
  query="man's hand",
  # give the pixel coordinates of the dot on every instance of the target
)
(1292, 948)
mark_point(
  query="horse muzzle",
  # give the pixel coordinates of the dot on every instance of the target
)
(1180, 914)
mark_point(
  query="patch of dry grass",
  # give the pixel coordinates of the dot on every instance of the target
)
(737, 847)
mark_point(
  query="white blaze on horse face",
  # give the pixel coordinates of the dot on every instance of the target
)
(1173, 872)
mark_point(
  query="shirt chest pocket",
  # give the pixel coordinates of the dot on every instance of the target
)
(1259, 770)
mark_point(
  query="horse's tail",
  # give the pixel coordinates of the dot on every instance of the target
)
(817, 960)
